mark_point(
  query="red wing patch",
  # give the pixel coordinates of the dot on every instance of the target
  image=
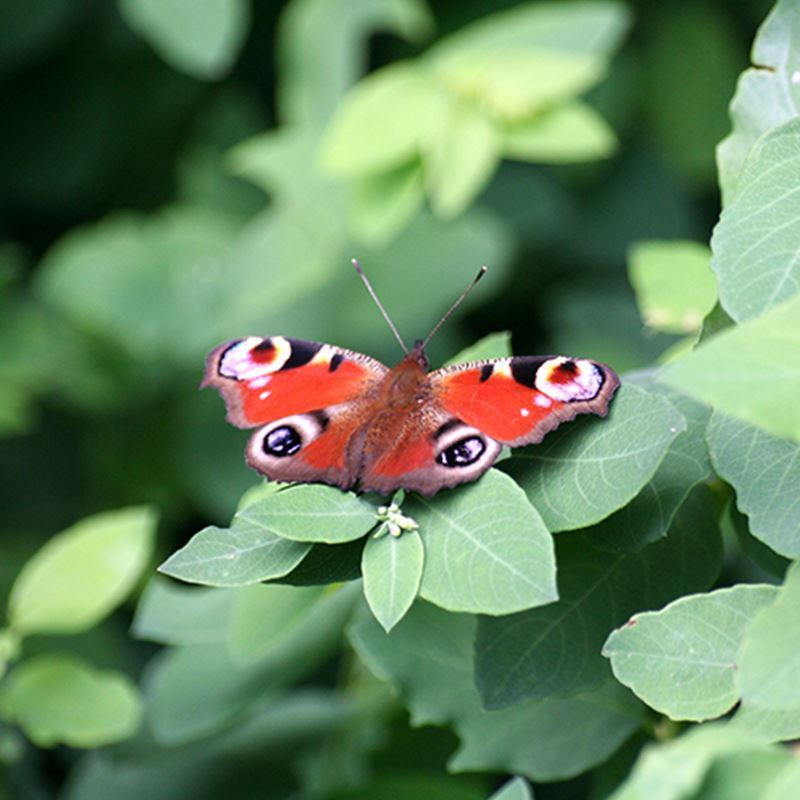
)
(264, 379)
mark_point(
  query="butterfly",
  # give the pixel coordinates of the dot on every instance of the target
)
(329, 415)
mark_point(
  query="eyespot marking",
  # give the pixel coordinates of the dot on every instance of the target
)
(462, 453)
(453, 422)
(282, 441)
(568, 380)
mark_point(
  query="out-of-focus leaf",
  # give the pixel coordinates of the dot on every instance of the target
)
(204, 45)
(83, 573)
(58, 698)
(515, 789)
(486, 548)
(566, 133)
(405, 101)
(767, 94)
(494, 345)
(682, 660)
(319, 49)
(767, 725)
(751, 372)
(586, 470)
(459, 155)
(675, 287)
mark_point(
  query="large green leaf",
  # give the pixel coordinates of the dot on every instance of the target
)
(486, 548)
(682, 660)
(563, 134)
(311, 513)
(751, 372)
(757, 240)
(429, 655)
(767, 94)
(58, 698)
(83, 573)
(392, 568)
(675, 287)
(770, 659)
(648, 516)
(744, 776)
(515, 789)
(765, 472)
(204, 45)
(170, 613)
(584, 471)
(556, 650)
(247, 552)
(766, 724)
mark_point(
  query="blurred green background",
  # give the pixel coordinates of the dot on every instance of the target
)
(165, 186)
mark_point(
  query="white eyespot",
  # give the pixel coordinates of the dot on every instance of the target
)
(259, 383)
(569, 379)
(524, 412)
(541, 400)
(239, 363)
(264, 395)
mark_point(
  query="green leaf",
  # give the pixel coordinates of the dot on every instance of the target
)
(403, 99)
(757, 240)
(459, 155)
(515, 789)
(429, 655)
(751, 372)
(169, 613)
(486, 548)
(675, 287)
(742, 776)
(247, 552)
(560, 135)
(382, 204)
(682, 660)
(392, 569)
(194, 691)
(556, 650)
(311, 513)
(765, 472)
(767, 94)
(204, 45)
(675, 770)
(80, 575)
(586, 470)
(59, 699)
(648, 516)
(493, 345)
(770, 659)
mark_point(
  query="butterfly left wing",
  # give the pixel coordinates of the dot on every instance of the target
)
(517, 400)
(308, 399)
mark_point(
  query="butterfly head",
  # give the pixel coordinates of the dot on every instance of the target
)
(417, 355)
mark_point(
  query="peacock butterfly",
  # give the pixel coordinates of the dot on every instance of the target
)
(330, 415)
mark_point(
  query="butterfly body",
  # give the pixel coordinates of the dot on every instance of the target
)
(325, 414)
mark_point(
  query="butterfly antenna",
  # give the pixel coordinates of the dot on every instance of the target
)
(481, 272)
(379, 304)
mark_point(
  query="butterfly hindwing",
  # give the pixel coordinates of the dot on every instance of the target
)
(517, 400)
(265, 379)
